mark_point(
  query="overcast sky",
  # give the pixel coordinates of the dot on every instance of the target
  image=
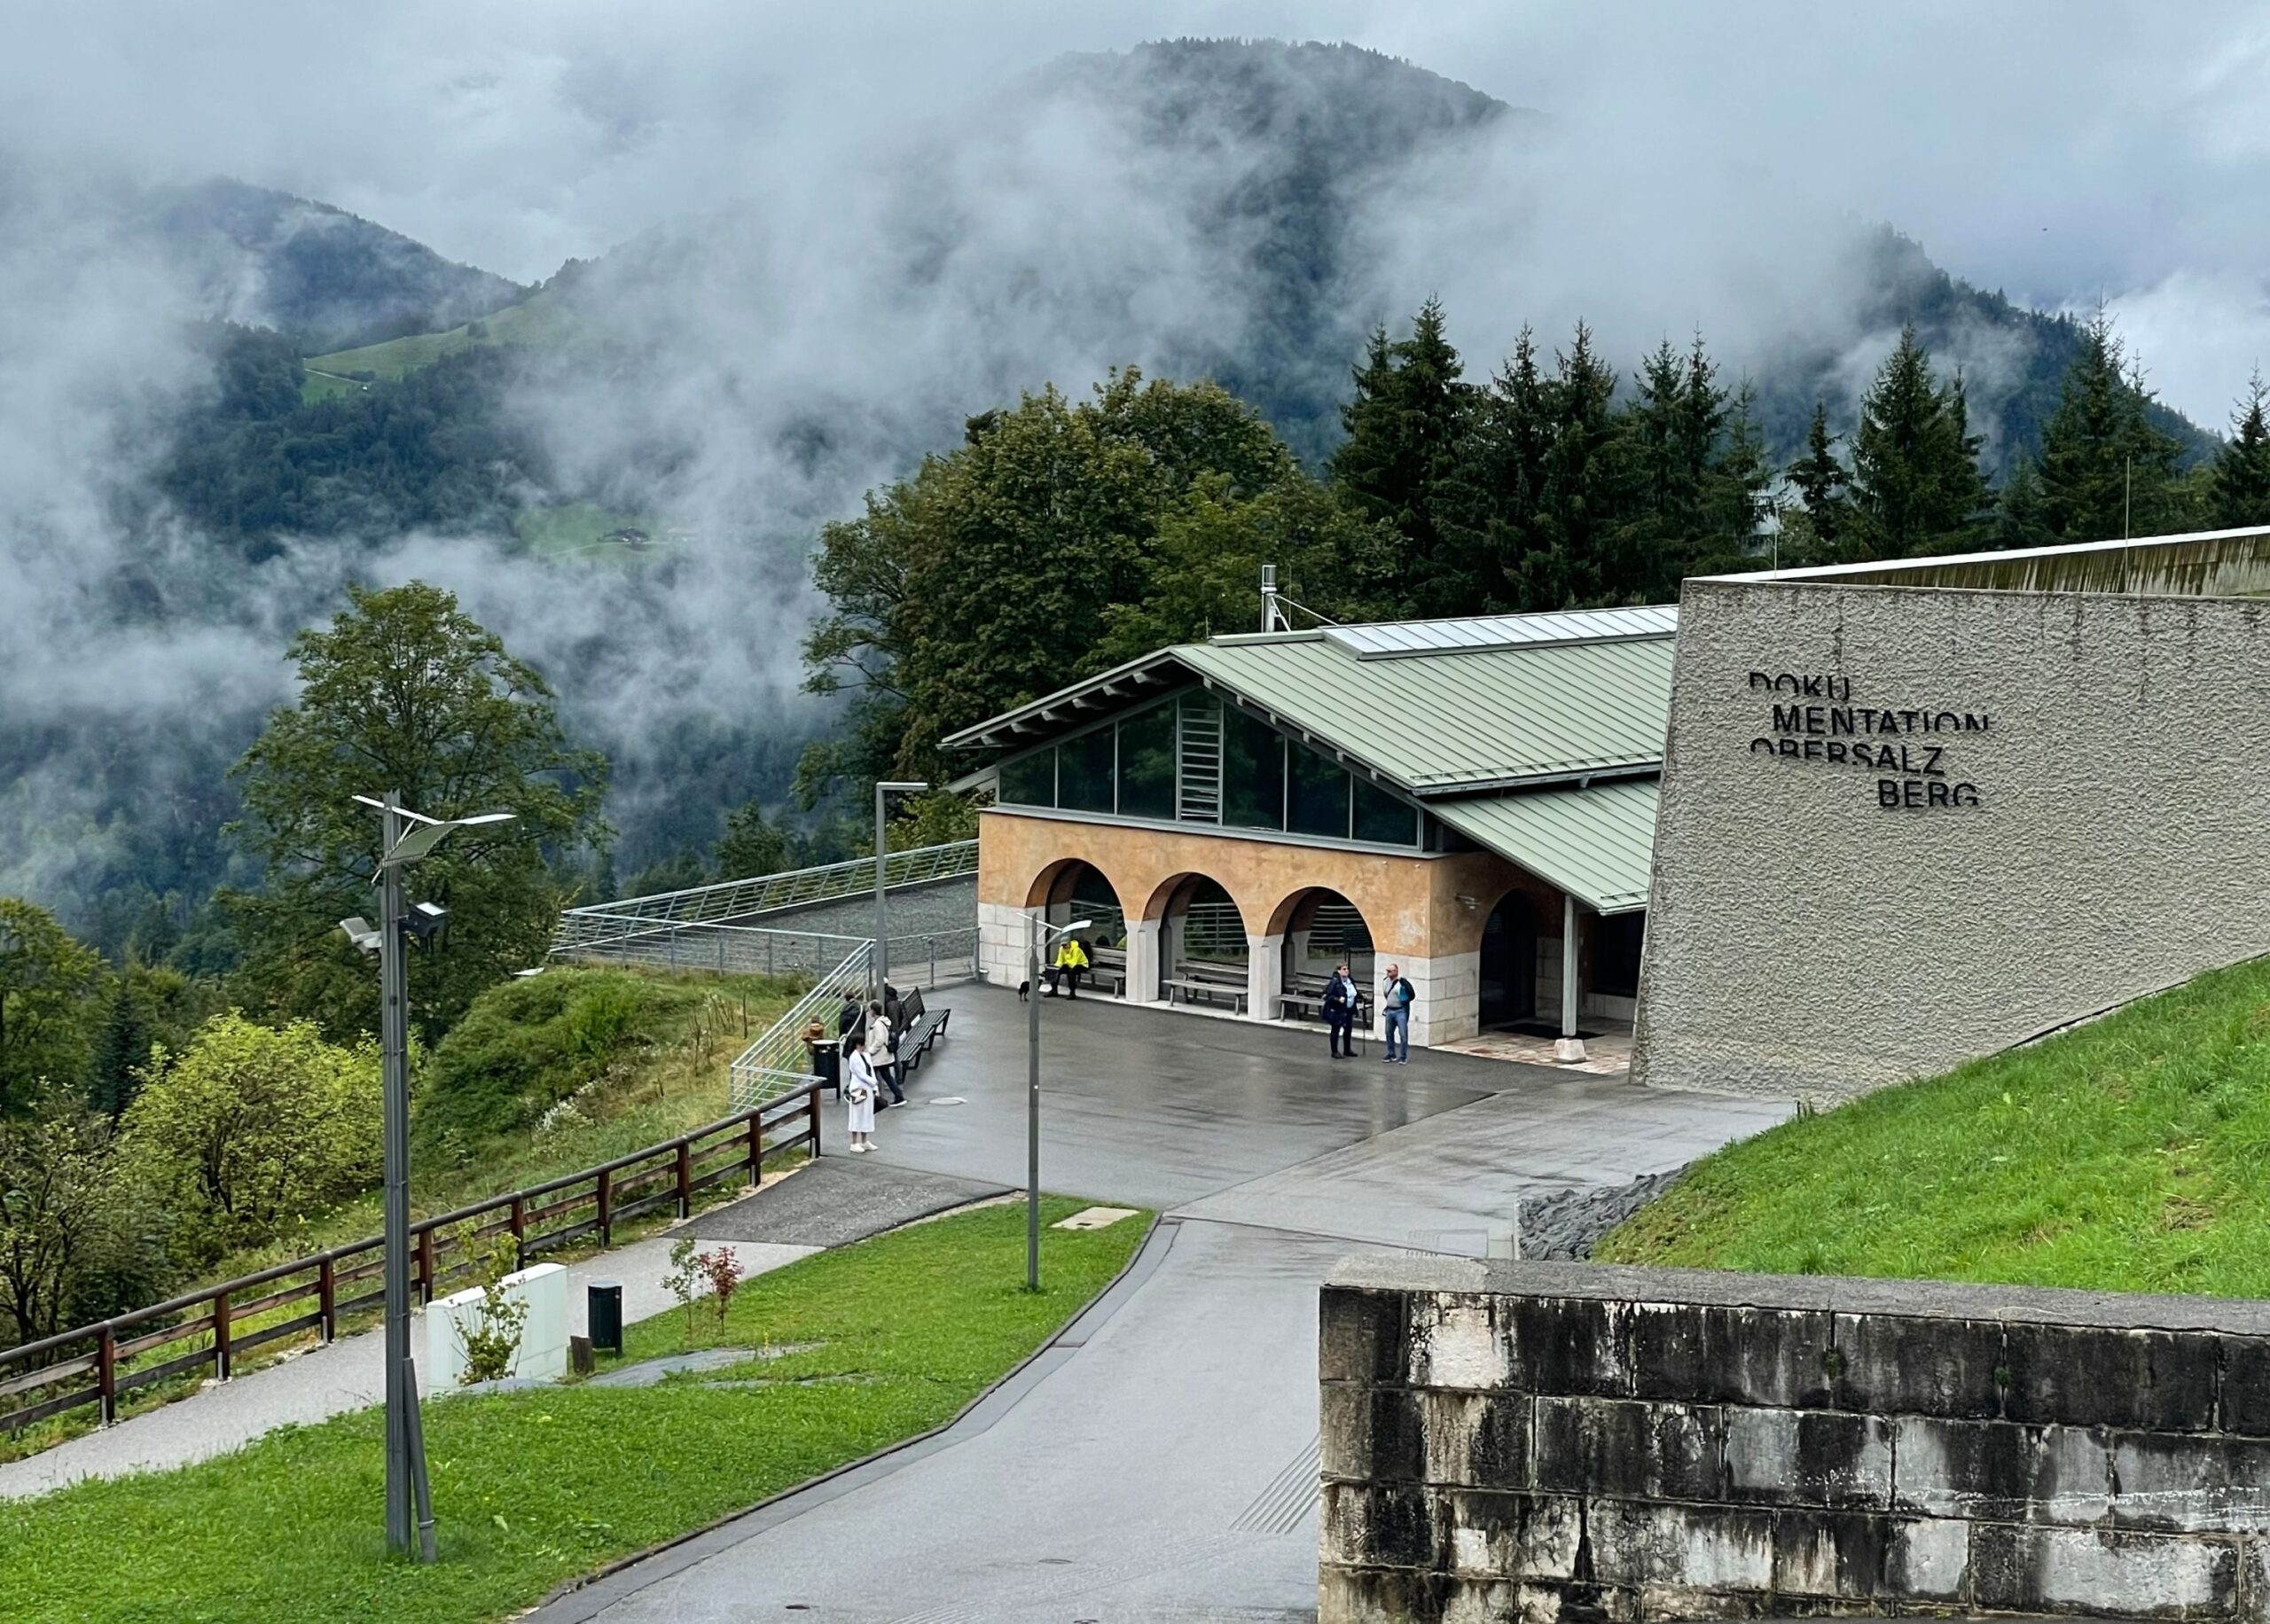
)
(2062, 151)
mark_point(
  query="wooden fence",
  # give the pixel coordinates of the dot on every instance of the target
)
(97, 1364)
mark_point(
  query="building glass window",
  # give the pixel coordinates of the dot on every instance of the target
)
(1084, 772)
(1146, 765)
(1030, 780)
(1253, 772)
(1616, 954)
(1379, 816)
(1316, 794)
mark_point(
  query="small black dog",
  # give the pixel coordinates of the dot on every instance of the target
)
(1024, 991)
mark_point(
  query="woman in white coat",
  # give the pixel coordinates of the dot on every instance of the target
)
(859, 1092)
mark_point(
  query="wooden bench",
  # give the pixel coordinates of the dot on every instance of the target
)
(1187, 988)
(1307, 1002)
(1108, 969)
(928, 1027)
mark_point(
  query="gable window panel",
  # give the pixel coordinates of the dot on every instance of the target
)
(1253, 772)
(1030, 780)
(1146, 763)
(1084, 772)
(1381, 818)
(1316, 794)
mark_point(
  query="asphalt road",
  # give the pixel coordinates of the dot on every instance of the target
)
(1157, 1462)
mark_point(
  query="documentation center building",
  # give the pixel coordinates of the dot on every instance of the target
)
(1471, 800)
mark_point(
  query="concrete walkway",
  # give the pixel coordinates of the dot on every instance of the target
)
(1157, 1462)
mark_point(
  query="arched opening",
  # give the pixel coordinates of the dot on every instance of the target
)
(1322, 930)
(1508, 972)
(1202, 950)
(1076, 889)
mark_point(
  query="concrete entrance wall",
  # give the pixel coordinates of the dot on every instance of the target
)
(1541, 1440)
(1901, 827)
(1425, 912)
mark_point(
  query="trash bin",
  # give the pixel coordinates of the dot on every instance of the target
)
(827, 1062)
(606, 1316)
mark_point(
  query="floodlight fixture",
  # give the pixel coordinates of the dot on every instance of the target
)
(425, 920)
(360, 932)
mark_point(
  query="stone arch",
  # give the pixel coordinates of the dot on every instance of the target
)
(1079, 888)
(1312, 930)
(1201, 931)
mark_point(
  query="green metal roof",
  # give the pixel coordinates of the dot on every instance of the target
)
(1596, 843)
(1466, 719)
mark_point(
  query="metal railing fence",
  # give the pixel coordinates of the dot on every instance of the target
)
(738, 899)
(778, 1064)
(207, 1331)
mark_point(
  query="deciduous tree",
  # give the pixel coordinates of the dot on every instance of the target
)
(405, 690)
(50, 999)
(252, 1126)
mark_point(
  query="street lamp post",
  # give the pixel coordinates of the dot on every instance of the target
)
(884, 788)
(409, 1501)
(1037, 932)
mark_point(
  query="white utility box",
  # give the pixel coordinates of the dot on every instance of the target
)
(542, 1354)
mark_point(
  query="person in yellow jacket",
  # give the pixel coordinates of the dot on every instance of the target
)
(1071, 959)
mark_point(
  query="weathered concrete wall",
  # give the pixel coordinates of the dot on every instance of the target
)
(1542, 1442)
(1903, 827)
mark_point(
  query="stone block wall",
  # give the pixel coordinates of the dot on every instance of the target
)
(1540, 1441)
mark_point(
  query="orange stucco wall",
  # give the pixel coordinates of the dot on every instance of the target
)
(1410, 903)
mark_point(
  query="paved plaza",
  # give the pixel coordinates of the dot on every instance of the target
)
(1157, 1462)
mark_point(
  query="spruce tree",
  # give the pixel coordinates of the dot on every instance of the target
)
(2238, 491)
(1407, 460)
(1512, 434)
(1577, 494)
(1740, 476)
(1822, 485)
(2018, 520)
(1916, 487)
(2107, 471)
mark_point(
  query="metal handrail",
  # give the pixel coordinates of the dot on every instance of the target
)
(774, 1065)
(736, 898)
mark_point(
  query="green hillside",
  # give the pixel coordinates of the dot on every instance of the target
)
(2127, 1155)
(539, 318)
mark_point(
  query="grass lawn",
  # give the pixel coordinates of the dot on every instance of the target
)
(536, 319)
(2127, 1155)
(531, 1489)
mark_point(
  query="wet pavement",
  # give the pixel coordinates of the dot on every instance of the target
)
(1156, 1462)
(836, 1201)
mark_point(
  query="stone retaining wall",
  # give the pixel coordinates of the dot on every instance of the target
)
(1554, 1442)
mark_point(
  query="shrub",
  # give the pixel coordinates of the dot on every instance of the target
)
(492, 1339)
(527, 1044)
(249, 1126)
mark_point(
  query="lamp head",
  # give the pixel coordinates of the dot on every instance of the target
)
(361, 933)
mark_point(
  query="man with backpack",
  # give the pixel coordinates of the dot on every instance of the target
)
(1396, 996)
